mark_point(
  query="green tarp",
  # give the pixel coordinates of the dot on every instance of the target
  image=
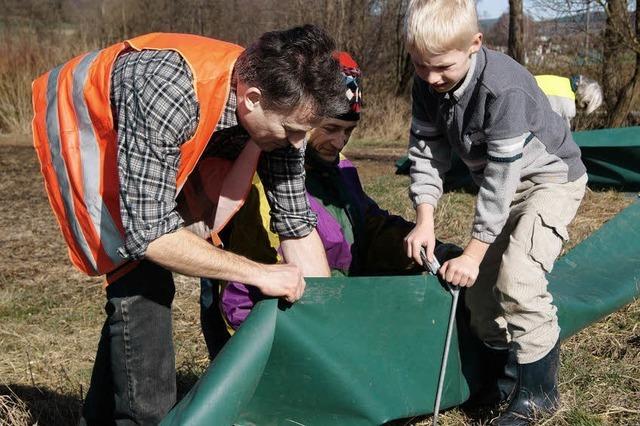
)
(612, 157)
(363, 351)
(353, 351)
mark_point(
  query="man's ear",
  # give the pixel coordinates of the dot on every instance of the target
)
(251, 98)
(476, 43)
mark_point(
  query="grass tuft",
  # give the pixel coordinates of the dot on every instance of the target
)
(13, 411)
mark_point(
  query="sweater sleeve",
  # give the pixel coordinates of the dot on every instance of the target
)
(507, 133)
(429, 152)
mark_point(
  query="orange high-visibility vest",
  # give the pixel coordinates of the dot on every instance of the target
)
(76, 142)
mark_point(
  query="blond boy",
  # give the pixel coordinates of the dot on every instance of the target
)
(488, 109)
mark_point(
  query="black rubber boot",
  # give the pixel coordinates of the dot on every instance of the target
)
(491, 374)
(496, 383)
(536, 393)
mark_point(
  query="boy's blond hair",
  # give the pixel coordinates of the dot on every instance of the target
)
(438, 26)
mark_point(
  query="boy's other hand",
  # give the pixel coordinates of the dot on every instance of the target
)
(420, 236)
(461, 271)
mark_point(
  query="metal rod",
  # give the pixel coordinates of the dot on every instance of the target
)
(455, 292)
(433, 267)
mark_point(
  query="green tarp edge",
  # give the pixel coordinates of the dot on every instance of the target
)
(615, 137)
(222, 392)
(363, 351)
(599, 275)
(612, 158)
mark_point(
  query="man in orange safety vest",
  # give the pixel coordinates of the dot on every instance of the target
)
(141, 141)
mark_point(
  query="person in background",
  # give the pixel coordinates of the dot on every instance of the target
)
(359, 237)
(565, 94)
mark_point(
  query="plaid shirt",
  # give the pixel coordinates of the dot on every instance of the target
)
(156, 111)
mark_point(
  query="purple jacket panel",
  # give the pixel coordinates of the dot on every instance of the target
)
(236, 299)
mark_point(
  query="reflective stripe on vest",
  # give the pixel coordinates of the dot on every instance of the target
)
(53, 134)
(76, 159)
(553, 85)
(233, 194)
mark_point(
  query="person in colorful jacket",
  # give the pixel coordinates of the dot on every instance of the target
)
(359, 238)
(565, 94)
(139, 140)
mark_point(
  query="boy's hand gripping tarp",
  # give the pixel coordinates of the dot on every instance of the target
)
(363, 351)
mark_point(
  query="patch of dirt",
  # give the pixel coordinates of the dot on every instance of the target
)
(16, 140)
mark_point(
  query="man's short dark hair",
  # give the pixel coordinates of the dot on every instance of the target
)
(295, 67)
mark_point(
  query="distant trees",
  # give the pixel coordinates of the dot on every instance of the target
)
(516, 31)
(607, 34)
(620, 37)
(370, 29)
(498, 33)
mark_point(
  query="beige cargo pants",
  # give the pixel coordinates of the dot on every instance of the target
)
(509, 301)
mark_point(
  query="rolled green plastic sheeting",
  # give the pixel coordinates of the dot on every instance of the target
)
(352, 351)
(364, 351)
(612, 158)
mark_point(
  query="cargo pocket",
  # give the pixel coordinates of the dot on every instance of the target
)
(546, 241)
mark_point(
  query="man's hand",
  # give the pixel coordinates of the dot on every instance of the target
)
(422, 235)
(462, 270)
(281, 280)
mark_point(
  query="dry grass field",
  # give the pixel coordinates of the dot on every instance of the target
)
(51, 315)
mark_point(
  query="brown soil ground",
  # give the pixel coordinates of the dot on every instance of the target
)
(51, 315)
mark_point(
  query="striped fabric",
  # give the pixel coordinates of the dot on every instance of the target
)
(74, 150)
(75, 137)
(499, 122)
(507, 150)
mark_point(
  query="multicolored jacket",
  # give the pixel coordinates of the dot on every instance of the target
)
(359, 237)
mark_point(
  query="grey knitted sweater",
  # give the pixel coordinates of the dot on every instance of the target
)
(502, 126)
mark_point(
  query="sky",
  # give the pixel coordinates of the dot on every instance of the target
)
(488, 9)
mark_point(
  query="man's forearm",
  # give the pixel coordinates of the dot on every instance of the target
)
(188, 254)
(307, 253)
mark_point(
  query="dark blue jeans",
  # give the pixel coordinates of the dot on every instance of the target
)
(134, 376)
